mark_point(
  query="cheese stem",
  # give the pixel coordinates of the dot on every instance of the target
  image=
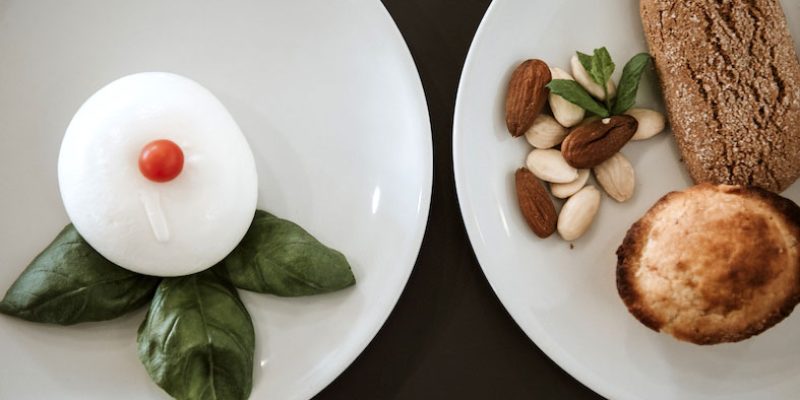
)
(151, 200)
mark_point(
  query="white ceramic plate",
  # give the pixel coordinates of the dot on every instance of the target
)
(331, 103)
(566, 300)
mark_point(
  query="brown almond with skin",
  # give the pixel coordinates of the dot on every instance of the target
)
(527, 95)
(589, 144)
(535, 203)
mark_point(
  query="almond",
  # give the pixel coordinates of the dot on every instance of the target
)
(617, 177)
(589, 144)
(651, 122)
(564, 190)
(545, 132)
(527, 95)
(535, 203)
(549, 165)
(566, 113)
(578, 213)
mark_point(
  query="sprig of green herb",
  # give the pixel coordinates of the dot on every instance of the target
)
(629, 83)
(574, 93)
(600, 67)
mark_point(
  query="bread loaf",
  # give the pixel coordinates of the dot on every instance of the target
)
(731, 81)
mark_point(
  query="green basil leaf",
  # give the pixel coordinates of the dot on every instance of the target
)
(629, 83)
(197, 340)
(602, 66)
(69, 282)
(278, 257)
(575, 93)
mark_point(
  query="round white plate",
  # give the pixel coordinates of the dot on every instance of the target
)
(566, 299)
(331, 103)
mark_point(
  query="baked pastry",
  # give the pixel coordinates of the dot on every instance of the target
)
(712, 264)
(730, 77)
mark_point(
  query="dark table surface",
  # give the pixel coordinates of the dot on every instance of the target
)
(449, 336)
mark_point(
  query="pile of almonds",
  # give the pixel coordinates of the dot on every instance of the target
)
(567, 146)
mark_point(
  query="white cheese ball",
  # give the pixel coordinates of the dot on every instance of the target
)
(172, 228)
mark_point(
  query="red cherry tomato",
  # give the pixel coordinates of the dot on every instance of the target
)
(161, 160)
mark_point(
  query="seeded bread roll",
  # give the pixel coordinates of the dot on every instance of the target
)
(731, 80)
(712, 264)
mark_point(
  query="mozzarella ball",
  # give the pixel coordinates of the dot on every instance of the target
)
(184, 221)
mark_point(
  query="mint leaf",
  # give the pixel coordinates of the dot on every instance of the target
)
(629, 83)
(575, 93)
(586, 60)
(602, 66)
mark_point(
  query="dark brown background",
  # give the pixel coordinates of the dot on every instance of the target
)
(449, 337)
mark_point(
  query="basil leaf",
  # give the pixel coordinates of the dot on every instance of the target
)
(69, 282)
(575, 93)
(277, 256)
(629, 83)
(197, 340)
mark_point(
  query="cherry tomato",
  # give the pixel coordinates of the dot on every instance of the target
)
(161, 160)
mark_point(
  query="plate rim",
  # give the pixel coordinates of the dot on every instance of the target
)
(424, 205)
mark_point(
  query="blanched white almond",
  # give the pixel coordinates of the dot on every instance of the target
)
(567, 114)
(651, 122)
(550, 166)
(582, 76)
(545, 132)
(564, 190)
(578, 213)
(617, 177)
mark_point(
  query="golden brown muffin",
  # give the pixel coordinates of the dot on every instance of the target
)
(712, 264)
